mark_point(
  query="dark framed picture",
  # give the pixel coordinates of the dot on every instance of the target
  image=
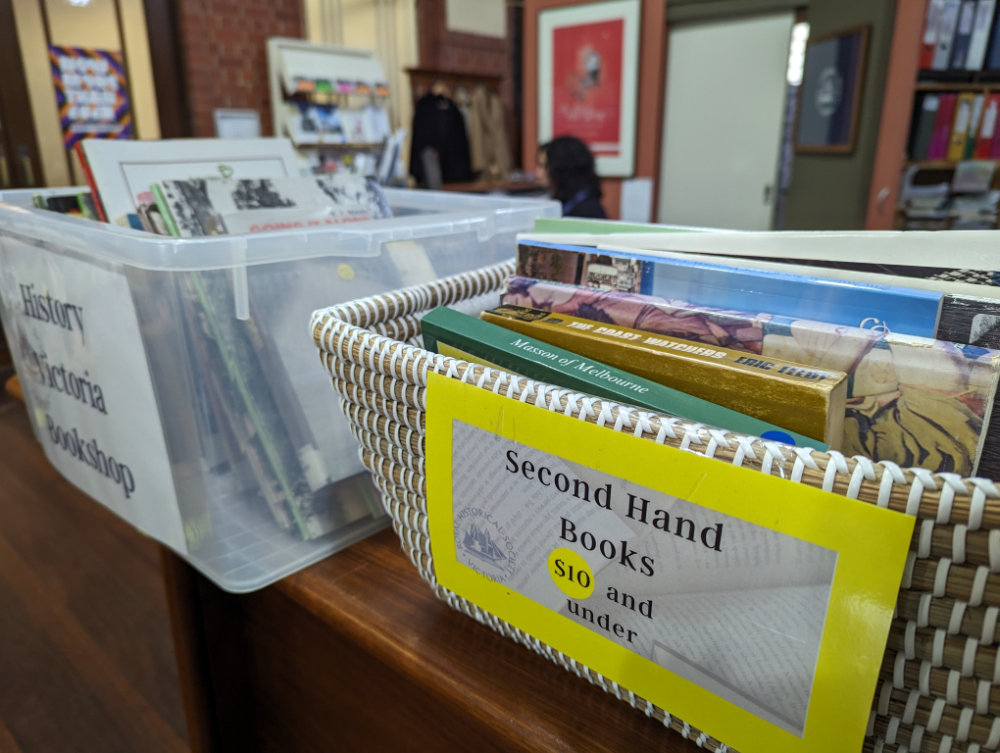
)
(830, 98)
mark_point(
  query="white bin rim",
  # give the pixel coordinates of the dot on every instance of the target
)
(425, 214)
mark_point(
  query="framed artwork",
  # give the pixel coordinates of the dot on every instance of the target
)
(830, 97)
(588, 69)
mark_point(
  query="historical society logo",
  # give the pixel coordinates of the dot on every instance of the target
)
(482, 544)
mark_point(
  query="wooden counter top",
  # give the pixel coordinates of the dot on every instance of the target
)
(356, 653)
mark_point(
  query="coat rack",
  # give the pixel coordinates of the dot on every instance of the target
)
(423, 80)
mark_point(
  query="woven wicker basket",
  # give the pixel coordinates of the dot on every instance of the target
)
(938, 688)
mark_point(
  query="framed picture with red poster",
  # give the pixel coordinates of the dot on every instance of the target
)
(588, 67)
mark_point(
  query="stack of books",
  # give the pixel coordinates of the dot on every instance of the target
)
(251, 423)
(898, 373)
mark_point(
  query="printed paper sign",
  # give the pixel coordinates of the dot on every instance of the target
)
(727, 597)
(91, 93)
(73, 331)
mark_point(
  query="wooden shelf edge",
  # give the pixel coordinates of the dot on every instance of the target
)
(943, 164)
(958, 87)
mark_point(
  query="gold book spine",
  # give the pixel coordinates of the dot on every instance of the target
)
(808, 401)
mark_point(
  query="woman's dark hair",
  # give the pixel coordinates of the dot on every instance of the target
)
(570, 167)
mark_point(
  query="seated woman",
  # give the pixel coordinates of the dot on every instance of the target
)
(568, 167)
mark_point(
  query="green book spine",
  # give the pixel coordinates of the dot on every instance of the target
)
(86, 205)
(924, 131)
(446, 331)
(164, 207)
(600, 227)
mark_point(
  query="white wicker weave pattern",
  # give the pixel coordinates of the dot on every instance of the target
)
(938, 690)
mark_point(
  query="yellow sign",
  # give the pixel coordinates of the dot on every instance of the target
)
(751, 607)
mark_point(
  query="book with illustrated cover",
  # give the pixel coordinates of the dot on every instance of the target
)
(854, 304)
(193, 208)
(459, 335)
(120, 172)
(912, 401)
(958, 286)
(806, 400)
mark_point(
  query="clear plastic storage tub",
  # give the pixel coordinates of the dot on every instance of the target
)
(175, 381)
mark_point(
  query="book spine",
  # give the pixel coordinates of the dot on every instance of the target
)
(938, 149)
(924, 130)
(932, 25)
(808, 401)
(985, 10)
(970, 138)
(89, 176)
(995, 143)
(960, 128)
(164, 206)
(946, 35)
(963, 34)
(987, 129)
(992, 61)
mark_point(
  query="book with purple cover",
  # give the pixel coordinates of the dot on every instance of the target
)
(913, 401)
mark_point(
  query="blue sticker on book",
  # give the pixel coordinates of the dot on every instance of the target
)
(778, 436)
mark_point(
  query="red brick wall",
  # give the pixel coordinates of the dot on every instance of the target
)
(224, 51)
(456, 52)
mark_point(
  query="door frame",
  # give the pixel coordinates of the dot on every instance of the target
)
(744, 11)
(17, 125)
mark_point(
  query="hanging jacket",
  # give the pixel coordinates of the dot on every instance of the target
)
(493, 154)
(438, 123)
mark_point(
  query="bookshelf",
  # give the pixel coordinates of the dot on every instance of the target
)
(321, 96)
(954, 106)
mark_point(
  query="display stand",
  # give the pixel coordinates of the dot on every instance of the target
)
(320, 94)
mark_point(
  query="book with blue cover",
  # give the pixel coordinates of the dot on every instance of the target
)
(850, 303)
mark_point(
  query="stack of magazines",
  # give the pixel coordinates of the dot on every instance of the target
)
(894, 363)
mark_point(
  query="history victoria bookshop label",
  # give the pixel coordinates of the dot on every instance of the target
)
(751, 607)
(72, 329)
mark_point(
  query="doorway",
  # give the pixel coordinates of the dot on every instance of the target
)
(19, 160)
(723, 122)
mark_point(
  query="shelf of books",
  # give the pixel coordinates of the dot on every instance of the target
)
(949, 179)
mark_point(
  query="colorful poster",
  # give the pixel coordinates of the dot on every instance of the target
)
(91, 93)
(588, 67)
(587, 84)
